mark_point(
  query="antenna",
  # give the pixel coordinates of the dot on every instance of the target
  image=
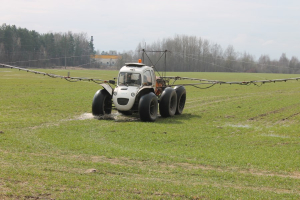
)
(143, 55)
(166, 62)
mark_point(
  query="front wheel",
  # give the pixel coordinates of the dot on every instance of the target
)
(148, 106)
(101, 103)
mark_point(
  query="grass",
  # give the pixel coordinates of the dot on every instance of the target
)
(231, 142)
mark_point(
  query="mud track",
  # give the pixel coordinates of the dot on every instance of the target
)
(294, 106)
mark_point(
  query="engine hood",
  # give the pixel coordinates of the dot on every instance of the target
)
(124, 97)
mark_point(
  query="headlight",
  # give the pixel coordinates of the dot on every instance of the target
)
(133, 94)
(115, 93)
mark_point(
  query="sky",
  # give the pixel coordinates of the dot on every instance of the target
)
(257, 27)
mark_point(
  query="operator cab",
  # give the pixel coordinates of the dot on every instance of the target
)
(133, 78)
(136, 74)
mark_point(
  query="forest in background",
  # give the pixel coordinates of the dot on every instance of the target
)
(194, 54)
(28, 48)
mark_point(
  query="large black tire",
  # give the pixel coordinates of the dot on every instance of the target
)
(148, 107)
(168, 102)
(101, 103)
(181, 97)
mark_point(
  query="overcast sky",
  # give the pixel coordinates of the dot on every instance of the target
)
(270, 27)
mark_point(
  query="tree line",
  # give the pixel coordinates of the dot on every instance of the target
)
(28, 48)
(194, 54)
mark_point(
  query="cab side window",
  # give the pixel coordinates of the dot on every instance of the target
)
(147, 79)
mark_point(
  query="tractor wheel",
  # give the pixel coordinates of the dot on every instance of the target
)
(168, 102)
(101, 103)
(148, 106)
(181, 97)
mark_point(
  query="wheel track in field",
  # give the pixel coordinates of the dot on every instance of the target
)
(202, 102)
(293, 115)
(220, 99)
(165, 168)
(226, 98)
(126, 161)
(237, 98)
(189, 166)
(278, 111)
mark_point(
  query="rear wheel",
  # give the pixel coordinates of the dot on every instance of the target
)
(168, 102)
(101, 103)
(148, 106)
(181, 97)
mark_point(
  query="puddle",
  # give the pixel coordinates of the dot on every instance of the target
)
(116, 116)
(85, 116)
(239, 125)
(274, 135)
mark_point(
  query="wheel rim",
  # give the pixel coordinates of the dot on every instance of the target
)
(181, 102)
(152, 108)
(173, 102)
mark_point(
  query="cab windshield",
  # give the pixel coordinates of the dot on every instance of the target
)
(129, 79)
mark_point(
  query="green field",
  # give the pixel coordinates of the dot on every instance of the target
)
(231, 142)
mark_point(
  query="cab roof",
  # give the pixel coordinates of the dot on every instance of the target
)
(134, 64)
(134, 67)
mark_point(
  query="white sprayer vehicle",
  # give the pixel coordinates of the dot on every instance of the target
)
(139, 90)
